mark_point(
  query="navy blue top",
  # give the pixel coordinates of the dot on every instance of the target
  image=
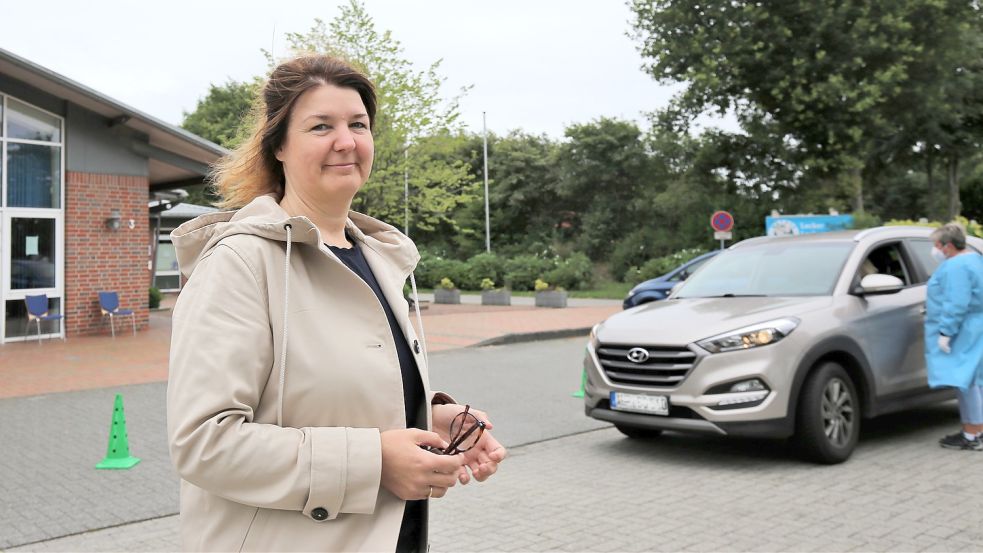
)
(413, 395)
(412, 385)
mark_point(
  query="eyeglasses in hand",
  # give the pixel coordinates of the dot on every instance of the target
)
(465, 431)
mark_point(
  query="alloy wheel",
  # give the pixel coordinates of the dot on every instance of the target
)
(837, 411)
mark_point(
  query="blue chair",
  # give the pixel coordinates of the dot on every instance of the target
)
(109, 304)
(37, 311)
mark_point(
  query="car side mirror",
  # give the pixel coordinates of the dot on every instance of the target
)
(872, 285)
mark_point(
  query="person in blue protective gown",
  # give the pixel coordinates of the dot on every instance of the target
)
(954, 331)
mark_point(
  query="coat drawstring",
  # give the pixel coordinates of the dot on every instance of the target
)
(283, 343)
(419, 321)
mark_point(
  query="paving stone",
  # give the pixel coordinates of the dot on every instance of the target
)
(583, 492)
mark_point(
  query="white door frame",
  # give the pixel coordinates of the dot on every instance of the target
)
(9, 294)
(8, 213)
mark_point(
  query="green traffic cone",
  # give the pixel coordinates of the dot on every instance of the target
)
(118, 452)
(583, 384)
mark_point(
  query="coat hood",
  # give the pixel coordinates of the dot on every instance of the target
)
(265, 218)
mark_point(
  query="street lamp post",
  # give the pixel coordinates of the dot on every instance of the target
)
(484, 124)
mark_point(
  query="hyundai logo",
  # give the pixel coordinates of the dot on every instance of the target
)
(638, 355)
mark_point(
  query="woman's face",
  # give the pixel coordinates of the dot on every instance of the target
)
(948, 250)
(328, 149)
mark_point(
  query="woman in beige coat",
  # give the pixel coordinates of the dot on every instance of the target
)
(298, 401)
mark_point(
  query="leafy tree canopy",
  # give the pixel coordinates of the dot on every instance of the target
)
(836, 80)
(220, 115)
(413, 115)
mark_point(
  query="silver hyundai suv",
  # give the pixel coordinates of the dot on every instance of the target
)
(799, 336)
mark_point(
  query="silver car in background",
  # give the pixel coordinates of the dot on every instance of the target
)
(777, 337)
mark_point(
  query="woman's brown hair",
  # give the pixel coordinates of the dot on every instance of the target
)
(252, 169)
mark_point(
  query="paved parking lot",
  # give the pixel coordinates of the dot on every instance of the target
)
(597, 491)
(571, 484)
(600, 492)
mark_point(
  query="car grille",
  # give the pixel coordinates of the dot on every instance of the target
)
(665, 367)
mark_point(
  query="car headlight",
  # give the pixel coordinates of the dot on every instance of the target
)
(763, 334)
(593, 335)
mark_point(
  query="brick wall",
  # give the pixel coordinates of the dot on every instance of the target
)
(97, 258)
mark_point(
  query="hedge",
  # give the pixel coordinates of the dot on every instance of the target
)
(518, 272)
(661, 265)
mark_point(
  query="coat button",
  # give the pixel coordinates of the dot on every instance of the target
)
(319, 513)
(416, 346)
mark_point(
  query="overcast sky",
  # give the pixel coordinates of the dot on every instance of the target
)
(537, 65)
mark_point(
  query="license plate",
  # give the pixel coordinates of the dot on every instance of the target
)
(639, 403)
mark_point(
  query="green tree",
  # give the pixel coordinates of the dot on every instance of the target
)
(942, 120)
(522, 188)
(602, 167)
(220, 117)
(522, 198)
(830, 79)
(221, 114)
(972, 188)
(414, 126)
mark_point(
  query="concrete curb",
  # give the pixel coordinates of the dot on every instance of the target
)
(533, 336)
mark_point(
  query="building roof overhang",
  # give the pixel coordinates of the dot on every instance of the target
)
(177, 157)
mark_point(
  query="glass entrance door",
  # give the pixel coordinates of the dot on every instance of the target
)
(32, 182)
(32, 266)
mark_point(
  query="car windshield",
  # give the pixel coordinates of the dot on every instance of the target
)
(784, 268)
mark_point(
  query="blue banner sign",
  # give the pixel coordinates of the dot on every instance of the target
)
(786, 225)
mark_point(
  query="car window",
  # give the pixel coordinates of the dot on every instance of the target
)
(685, 273)
(783, 268)
(697, 264)
(921, 250)
(885, 260)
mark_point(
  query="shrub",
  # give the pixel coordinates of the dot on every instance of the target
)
(972, 227)
(433, 268)
(662, 265)
(522, 271)
(424, 272)
(447, 283)
(574, 272)
(865, 220)
(481, 266)
(155, 297)
(637, 247)
(487, 284)
(541, 285)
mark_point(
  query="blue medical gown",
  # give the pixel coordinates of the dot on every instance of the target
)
(954, 307)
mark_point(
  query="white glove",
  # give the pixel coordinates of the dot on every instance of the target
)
(944, 343)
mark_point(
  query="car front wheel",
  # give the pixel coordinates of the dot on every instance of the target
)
(828, 421)
(638, 433)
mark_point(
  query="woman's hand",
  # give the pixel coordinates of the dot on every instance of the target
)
(410, 472)
(484, 457)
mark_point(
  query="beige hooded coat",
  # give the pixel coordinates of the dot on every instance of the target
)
(279, 450)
